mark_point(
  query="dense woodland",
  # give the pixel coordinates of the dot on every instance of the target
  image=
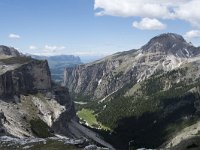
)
(148, 118)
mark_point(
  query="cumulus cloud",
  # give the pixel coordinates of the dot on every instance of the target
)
(187, 10)
(149, 24)
(14, 36)
(128, 8)
(192, 34)
(75, 53)
(32, 47)
(49, 48)
(91, 53)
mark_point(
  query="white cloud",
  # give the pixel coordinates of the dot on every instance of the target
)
(49, 48)
(192, 34)
(76, 53)
(187, 10)
(32, 47)
(149, 24)
(128, 8)
(90, 53)
(14, 36)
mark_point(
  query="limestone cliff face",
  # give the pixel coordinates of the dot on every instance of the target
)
(28, 78)
(31, 105)
(28, 97)
(99, 79)
(60, 125)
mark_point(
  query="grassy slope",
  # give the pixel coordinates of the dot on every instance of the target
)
(16, 60)
(89, 117)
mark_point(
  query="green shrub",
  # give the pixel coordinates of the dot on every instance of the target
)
(40, 128)
(16, 60)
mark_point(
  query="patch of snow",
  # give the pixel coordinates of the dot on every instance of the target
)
(173, 45)
(188, 54)
(182, 53)
(173, 36)
(27, 147)
(80, 103)
(99, 82)
(139, 55)
(108, 96)
(143, 149)
(87, 124)
(67, 140)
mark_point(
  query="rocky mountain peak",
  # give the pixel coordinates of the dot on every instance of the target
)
(170, 43)
(168, 36)
(9, 51)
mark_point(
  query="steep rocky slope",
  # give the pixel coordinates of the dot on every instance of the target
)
(101, 78)
(27, 95)
(147, 95)
(8, 51)
(23, 78)
(33, 106)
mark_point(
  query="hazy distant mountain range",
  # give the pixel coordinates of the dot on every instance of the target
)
(58, 63)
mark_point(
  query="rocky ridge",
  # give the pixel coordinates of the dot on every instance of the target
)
(8, 51)
(33, 106)
(101, 78)
(27, 93)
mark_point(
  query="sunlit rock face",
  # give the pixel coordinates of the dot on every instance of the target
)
(27, 96)
(101, 78)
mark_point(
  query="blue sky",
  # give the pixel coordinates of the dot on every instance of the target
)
(51, 27)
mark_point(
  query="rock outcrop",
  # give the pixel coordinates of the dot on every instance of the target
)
(28, 94)
(8, 51)
(30, 77)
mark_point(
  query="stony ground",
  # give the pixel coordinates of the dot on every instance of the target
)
(9, 143)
